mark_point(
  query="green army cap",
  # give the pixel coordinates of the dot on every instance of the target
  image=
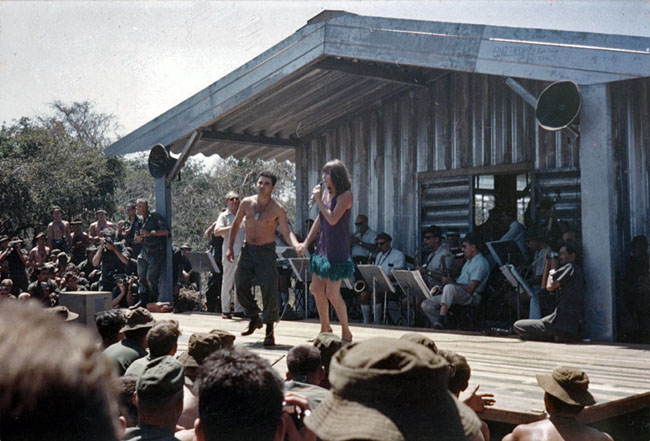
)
(202, 344)
(163, 377)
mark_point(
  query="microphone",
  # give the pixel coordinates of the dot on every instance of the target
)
(311, 200)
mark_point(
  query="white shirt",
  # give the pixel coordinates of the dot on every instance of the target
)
(226, 219)
(434, 260)
(392, 260)
(368, 237)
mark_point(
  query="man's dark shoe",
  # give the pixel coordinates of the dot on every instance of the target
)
(238, 314)
(269, 340)
(226, 315)
(440, 324)
(255, 323)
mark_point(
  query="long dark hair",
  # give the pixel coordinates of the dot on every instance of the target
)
(340, 176)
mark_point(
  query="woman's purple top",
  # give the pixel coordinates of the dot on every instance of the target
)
(334, 240)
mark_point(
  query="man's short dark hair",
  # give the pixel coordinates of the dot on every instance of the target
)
(570, 248)
(562, 407)
(303, 360)
(125, 402)
(459, 371)
(472, 239)
(56, 385)
(109, 323)
(433, 230)
(162, 338)
(384, 236)
(240, 396)
(268, 174)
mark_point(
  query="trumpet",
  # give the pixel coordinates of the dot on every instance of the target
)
(359, 286)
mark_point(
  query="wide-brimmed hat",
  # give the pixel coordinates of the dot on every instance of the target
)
(64, 313)
(56, 208)
(185, 246)
(76, 222)
(421, 340)
(567, 384)
(4, 238)
(137, 319)
(39, 235)
(390, 390)
(202, 344)
(100, 210)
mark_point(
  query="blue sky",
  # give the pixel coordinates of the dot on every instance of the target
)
(136, 59)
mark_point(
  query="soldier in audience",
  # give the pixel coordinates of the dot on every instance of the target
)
(162, 339)
(109, 325)
(55, 384)
(125, 352)
(565, 395)
(96, 228)
(305, 372)
(386, 388)
(58, 231)
(241, 398)
(159, 399)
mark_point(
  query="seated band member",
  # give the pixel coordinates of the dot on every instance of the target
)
(466, 290)
(437, 264)
(363, 241)
(389, 259)
(565, 321)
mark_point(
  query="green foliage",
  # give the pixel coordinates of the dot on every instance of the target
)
(57, 160)
(198, 195)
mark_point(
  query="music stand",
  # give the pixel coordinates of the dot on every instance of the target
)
(507, 251)
(517, 282)
(374, 275)
(200, 260)
(300, 266)
(413, 285)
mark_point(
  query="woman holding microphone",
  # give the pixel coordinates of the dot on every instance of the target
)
(331, 263)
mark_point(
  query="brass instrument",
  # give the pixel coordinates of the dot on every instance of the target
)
(435, 290)
(359, 286)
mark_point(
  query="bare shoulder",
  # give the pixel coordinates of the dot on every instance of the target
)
(346, 198)
(277, 206)
(247, 200)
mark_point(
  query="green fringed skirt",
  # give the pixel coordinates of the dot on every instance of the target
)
(332, 271)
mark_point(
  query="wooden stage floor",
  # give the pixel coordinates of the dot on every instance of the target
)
(505, 366)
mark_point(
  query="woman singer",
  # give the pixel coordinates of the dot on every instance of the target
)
(331, 263)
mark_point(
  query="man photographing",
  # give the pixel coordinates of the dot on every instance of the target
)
(257, 260)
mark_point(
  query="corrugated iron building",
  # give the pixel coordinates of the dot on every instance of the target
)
(419, 111)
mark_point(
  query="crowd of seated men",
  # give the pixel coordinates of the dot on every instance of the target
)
(108, 257)
(61, 385)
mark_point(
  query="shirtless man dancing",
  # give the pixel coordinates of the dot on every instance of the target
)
(257, 260)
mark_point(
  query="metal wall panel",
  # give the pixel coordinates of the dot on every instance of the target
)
(459, 121)
(630, 102)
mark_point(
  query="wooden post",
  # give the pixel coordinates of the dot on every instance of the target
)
(163, 192)
(599, 211)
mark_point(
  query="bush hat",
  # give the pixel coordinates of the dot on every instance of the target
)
(568, 385)
(64, 313)
(39, 235)
(76, 222)
(390, 390)
(202, 344)
(421, 340)
(162, 377)
(137, 319)
(4, 238)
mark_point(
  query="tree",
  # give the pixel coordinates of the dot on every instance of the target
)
(56, 160)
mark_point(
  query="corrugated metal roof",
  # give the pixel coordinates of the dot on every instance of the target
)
(341, 63)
